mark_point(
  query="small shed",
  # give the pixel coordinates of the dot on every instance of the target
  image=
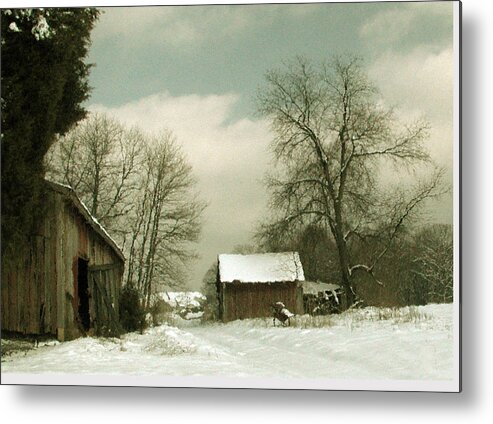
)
(248, 285)
(67, 282)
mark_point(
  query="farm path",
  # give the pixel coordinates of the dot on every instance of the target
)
(353, 346)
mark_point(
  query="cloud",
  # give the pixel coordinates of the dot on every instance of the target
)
(228, 158)
(178, 26)
(413, 67)
(420, 84)
(389, 26)
(416, 77)
(396, 24)
(135, 24)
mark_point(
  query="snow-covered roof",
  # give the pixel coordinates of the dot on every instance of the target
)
(261, 268)
(84, 211)
(316, 287)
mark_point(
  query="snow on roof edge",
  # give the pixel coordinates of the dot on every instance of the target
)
(89, 217)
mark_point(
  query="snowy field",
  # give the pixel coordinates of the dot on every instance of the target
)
(407, 344)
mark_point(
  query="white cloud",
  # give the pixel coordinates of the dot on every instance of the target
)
(417, 82)
(420, 84)
(199, 122)
(393, 25)
(179, 26)
(229, 160)
(132, 25)
(388, 26)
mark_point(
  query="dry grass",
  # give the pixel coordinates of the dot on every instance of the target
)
(15, 346)
(312, 321)
(353, 317)
(18, 344)
(396, 315)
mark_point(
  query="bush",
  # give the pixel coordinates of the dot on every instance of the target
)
(209, 289)
(132, 314)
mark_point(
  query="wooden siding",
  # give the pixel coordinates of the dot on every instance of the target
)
(39, 293)
(28, 287)
(253, 300)
(104, 292)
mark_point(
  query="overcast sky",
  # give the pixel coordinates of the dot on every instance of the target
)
(195, 70)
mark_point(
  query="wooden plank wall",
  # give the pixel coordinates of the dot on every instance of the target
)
(252, 300)
(81, 241)
(38, 293)
(74, 240)
(49, 324)
(104, 300)
(28, 287)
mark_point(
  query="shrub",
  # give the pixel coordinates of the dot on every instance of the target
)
(132, 314)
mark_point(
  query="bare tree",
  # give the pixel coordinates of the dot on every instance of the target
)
(332, 140)
(434, 263)
(100, 160)
(140, 187)
(166, 221)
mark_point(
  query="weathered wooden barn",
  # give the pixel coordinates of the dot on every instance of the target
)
(248, 285)
(67, 283)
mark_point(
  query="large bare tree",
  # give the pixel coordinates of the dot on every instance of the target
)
(167, 218)
(141, 188)
(100, 159)
(333, 142)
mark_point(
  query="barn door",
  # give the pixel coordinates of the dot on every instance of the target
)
(103, 281)
(83, 295)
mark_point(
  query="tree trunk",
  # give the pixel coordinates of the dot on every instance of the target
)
(344, 266)
(343, 254)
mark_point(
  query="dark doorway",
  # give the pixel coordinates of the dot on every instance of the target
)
(83, 292)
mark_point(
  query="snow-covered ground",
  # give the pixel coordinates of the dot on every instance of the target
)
(414, 344)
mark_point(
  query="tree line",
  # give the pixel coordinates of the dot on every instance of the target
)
(417, 270)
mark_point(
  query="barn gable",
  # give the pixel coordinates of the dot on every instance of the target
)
(69, 194)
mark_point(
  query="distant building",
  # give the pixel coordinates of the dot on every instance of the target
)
(69, 279)
(248, 285)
